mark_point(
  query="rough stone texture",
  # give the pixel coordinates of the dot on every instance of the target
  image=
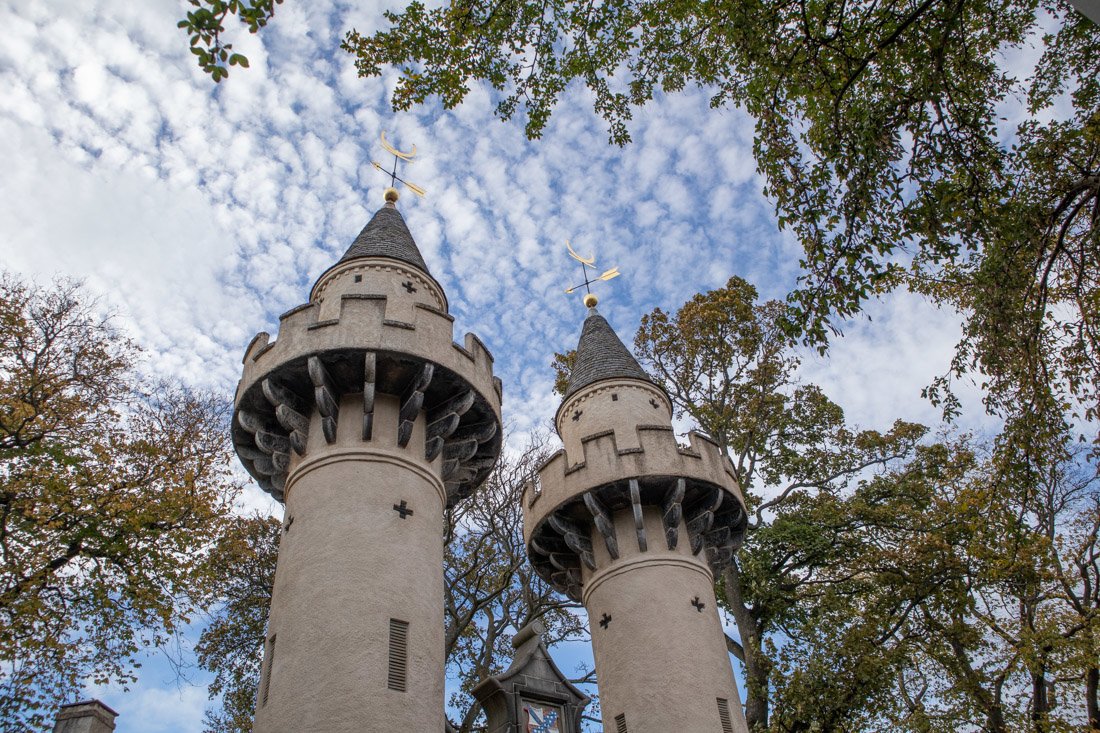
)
(601, 355)
(89, 716)
(386, 235)
(602, 523)
(532, 678)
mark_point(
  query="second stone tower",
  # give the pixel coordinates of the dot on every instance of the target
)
(634, 526)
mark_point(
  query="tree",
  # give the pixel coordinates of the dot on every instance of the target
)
(854, 640)
(960, 599)
(878, 133)
(726, 362)
(491, 593)
(239, 575)
(492, 590)
(109, 490)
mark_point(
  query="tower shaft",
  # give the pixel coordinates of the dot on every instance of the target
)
(355, 636)
(661, 660)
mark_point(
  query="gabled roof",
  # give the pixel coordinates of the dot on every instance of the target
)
(386, 235)
(601, 355)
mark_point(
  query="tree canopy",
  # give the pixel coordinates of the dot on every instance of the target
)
(880, 132)
(109, 491)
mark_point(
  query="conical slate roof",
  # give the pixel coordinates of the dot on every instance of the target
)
(386, 235)
(601, 355)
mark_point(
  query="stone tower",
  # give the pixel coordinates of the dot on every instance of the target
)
(635, 526)
(366, 420)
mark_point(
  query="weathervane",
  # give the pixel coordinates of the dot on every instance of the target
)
(391, 192)
(586, 263)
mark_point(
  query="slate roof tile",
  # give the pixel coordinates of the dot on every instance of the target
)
(386, 235)
(601, 355)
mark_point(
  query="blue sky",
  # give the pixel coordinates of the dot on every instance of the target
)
(201, 212)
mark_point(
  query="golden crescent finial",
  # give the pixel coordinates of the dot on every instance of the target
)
(590, 299)
(391, 149)
(590, 261)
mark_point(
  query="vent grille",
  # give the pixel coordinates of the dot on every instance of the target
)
(724, 715)
(397, 678)
(265, 688)
(620, 723)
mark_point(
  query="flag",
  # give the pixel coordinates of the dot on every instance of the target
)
(541, 719)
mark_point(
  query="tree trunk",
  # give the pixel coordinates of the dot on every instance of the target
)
(1092, 701)
(1040, 703)
(995, 711)
(757, 665)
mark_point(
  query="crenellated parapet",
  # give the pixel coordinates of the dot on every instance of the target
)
(569, 511)
(373, 326)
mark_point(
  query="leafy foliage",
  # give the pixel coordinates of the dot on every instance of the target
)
(562, 366)
(238, 574)
(108, 493)
(206, 24)
(964, 598)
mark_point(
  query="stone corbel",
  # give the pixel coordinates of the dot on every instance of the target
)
(604, 525)
(325, 394)
(370, 375)
(413, 401)
(672, 512)
(639, 520)
(703, 520)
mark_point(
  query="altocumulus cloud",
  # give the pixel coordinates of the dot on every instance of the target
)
(201, 212)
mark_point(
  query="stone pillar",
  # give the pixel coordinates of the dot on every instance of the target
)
(634, 525)
(367, 420)
(89, 716)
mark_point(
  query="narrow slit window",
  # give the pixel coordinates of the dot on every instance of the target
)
(620, 723)
(724, 715)
(397, 677)
(265, 687)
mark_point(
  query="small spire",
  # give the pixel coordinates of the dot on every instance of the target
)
(387, 235)
(601, 355)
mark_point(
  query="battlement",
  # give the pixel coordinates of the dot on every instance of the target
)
(367, 343)
(686, 490)
(656, 454)
(363, 321)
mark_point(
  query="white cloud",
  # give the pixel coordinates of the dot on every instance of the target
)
(203, 211)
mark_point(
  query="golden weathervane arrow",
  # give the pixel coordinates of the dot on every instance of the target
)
(391, 192)
(586, 263)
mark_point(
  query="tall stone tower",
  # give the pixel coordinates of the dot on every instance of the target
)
(634, 526)
(366, 420)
